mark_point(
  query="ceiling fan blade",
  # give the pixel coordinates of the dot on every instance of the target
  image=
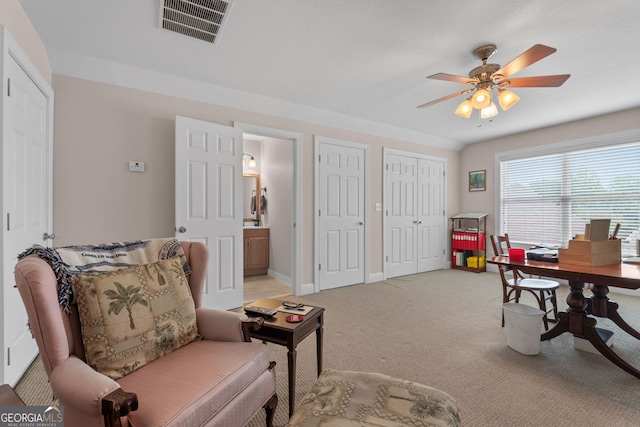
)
(444, 98)
(530, 56)
(539, 81)
(451, 78)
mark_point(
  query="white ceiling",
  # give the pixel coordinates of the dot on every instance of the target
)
(368, 59)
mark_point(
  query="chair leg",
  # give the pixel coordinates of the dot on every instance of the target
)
(543, 307)
(554, 301)
(270, 408)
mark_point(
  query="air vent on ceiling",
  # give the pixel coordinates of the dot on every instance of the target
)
(201, 19)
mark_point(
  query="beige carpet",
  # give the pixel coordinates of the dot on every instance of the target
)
(442, 329)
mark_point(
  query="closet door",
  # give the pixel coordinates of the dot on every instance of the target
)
(27, 111)
(341, 213)
(414, 233)
(401, 216)
(431, 215)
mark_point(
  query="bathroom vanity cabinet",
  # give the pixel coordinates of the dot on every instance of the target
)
(256, 251)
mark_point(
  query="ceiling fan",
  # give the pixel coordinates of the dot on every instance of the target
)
(489, 78)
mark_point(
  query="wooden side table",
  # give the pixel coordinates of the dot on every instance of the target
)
(8, 396)
(278, 331)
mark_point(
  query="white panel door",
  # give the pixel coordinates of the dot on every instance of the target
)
(431, 233)
(414, 215)
(208, 209)
(401, 216)
(341, 215)
(27, 208)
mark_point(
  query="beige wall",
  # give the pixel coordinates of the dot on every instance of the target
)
(277, 176)
(482, 155)
(15, 20)
(99, 128)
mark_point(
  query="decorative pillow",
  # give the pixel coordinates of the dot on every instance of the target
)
(134, 315)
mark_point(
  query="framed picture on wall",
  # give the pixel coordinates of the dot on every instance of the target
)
(477, 180)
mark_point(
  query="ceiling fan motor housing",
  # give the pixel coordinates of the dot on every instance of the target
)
(484, 72)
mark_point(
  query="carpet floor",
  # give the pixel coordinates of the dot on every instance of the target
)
(442, 329)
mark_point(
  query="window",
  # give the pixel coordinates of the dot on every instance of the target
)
(546, 199)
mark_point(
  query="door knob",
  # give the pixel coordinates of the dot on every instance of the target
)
(420, 222)
(46, 236)
(361, 223)
(182, 229)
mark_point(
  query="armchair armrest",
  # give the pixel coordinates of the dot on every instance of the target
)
(251, 324)
(118, 404)
(220, 325)
(88, 390)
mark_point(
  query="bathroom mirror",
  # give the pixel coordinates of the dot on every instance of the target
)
(251, 188)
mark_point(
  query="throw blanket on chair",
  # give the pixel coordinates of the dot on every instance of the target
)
(70, 260)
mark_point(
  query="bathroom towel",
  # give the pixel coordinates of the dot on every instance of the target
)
(263, 204)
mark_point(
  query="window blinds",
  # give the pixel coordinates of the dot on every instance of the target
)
(548, 199)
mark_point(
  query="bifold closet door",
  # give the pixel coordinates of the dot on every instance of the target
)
(414, 215)
(401, 216)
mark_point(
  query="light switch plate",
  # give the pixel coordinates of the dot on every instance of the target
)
(378, 207)
(136, 166)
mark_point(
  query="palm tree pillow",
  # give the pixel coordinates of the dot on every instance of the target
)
(134, 315)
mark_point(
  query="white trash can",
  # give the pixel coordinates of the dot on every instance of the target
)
(522, 326)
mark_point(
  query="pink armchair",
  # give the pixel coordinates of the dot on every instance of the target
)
(223, 379)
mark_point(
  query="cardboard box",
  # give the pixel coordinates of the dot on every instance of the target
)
(591, 253)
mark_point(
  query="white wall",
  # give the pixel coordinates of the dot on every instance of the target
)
(277, 177)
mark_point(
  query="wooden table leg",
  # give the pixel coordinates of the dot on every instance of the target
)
(577, 321)
(590, 333)
(560, 327)
(292, 356)
(319, 333)
(601, 306)
(615, 316)
(570, 320)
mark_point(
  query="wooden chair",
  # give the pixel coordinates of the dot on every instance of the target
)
(542, 289)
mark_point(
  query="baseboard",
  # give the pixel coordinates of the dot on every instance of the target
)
(376, 277)
(284, 279)
(307, 288)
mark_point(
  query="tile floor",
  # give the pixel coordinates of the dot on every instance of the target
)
(256, 287)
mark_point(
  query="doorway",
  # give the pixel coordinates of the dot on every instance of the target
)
(275, 154)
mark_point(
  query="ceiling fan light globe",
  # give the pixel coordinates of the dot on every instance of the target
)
(481, 99)
(464, 109)
(507, 99)
(490, 111)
